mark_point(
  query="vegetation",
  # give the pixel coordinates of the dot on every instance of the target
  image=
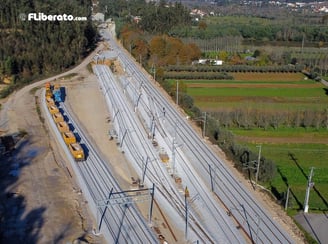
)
(259, 28)
(154, 18)
(38, 48)
(293, 163)
(290, 122)
(160, 50)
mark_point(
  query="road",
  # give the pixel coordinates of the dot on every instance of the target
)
(238, 201)
(9, 103)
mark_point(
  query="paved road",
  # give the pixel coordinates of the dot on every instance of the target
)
(253, 219)
(315, 224)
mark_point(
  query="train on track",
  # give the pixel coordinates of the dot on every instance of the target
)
(54, 96)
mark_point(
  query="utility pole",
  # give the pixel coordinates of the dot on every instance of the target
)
(173, 158)
(204, 124)
(258, 164)
(287, 199)
(177, 100)
(310, 184)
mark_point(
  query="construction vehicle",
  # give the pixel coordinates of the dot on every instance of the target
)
(58, 117)
(69, 137)
(53, 109)
(76, 151)
(62, 127)
(57, 93)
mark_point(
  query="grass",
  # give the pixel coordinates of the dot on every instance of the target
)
(310, 95)
(244, 81)
(275, 77)
(215, 104)
(294, 162)
(258, 92)
(283, 132)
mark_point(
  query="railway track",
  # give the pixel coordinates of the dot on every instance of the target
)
(120, 223)
(212, 220)
(255, 221)
(156, 173)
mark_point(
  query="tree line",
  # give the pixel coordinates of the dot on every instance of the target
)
(256, 118)
(158, 50)
(30, 49)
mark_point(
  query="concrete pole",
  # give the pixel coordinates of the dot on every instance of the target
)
(173, 158)
(258, 164)
(287, 199)
(307, 194)
(204, 125)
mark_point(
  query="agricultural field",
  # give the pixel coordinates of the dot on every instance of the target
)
(293, 161)
(287, 114)
(272, 91)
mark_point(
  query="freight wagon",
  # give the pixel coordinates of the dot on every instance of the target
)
(53, 109)
(58, 117)
(53, 96)
(69, 137)
(76, 151)
(62, 127)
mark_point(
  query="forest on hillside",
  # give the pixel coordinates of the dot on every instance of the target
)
(155, 18)
(31, 48)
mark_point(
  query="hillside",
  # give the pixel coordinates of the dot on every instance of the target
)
(31, 47)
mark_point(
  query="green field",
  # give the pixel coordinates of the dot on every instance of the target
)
(259, 92)
(283, 132)
(293, 163)
(294, 150)
(213, 103)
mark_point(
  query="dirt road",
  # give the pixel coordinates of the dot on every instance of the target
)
(40, 202)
